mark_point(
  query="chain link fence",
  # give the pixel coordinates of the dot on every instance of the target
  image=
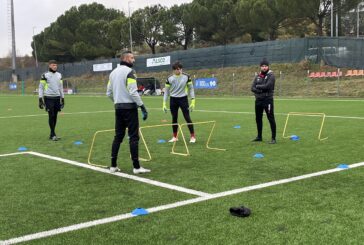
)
(230, 82)
(227, 64)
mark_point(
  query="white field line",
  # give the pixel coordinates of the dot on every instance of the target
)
(14, 154)
(278, 99)
(102, 96)
(123, 175)
(63, 113)
(251, 98)
(346, 117)
(281, 114)
(151, 108)
(169, 206)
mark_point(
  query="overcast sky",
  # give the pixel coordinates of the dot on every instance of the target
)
(40, 13)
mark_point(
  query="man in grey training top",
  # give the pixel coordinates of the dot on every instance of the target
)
(123, 91)
(51, 96)
(177, 87)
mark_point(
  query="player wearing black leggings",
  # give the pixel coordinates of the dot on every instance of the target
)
(177, 87)
(263, 89)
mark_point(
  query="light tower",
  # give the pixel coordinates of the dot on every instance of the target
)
(130, 34)
(13, 53)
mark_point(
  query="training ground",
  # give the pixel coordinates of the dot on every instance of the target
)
(50, 194)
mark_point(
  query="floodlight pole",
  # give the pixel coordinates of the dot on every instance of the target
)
(358, 19)
(337, 24)
(332, 18)
(336, 21)
(130, 35)
(13, 41)
(35, 50)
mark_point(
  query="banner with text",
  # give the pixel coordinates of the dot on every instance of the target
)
(102, 67)
(206, 83)
(160, 61)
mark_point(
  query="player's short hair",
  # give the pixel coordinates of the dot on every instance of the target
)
(124, 54)
(177, 65)
(52, 62)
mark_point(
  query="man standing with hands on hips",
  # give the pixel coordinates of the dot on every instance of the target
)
(263, 89)
(123, 91)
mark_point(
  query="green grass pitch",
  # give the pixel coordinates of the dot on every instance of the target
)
(39, 194)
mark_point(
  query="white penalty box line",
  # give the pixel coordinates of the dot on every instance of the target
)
(106, 171)
(125, 216)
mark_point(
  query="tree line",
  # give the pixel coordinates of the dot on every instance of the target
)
(92, 31)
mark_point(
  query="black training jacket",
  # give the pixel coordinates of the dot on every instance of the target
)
(263, 85)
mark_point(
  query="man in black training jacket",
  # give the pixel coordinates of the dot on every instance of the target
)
(263, 89)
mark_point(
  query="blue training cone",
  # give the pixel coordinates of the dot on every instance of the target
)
(139, 211)
(294, 137)
(258, 155)
(237, 126)
(161, 141)
(343, 166)
(22, 148)
(78, 143)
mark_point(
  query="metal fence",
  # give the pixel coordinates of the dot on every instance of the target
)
(337, 52)
(233, 55)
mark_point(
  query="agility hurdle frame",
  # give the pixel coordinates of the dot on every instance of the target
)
(92, 147)
(211, 132)
(144, 142)
(306, 114)
(174, 143)
(146, 146)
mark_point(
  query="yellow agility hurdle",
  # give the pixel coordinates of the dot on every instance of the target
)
(144, 142)
(187, 153)
(174, 143)
(92, 146)
(305, 114)
(211, 132)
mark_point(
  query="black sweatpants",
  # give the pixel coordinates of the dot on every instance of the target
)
(175, 104)
(126, 118)
(266, 105)
(52, 106)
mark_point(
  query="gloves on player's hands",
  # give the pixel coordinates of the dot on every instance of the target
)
(144, 112)
(165, 107)
(192, 105)
(62, 103)
(41, 103)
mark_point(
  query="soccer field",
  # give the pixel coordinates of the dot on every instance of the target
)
(50, 195)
